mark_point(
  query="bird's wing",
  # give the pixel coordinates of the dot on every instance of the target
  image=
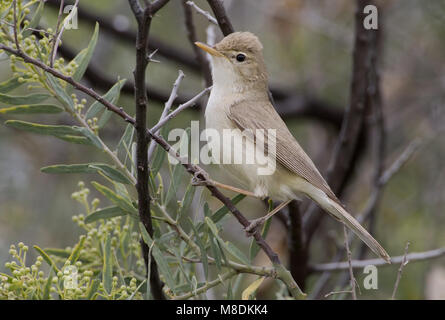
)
(288, 151)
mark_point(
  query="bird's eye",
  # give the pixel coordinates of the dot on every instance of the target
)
(240, 57)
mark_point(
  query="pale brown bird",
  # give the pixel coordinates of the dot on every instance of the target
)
(239, 100)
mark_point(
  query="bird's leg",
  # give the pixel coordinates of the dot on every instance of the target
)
(254, 224)
(206, 181)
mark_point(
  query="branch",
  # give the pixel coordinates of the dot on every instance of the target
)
(191, 34)
(345, 152)
(399, 273)
(202, 12)
(168, 105)
(144, 18)
(221, 16)
(351, 272)
(360, 264)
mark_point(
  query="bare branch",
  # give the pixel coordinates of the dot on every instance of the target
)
(59, 17)
(191, 34)
(399, 274)
(179, 109)
(360, 264)
(351, 272)
(202, 12)
(221, 16)
(167, 107)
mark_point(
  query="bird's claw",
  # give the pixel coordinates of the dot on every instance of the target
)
(201, 178)
(252, 228)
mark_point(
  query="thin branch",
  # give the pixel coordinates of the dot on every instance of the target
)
(351, 271)
(360, 264)
(221, 16)
(168, 105)
(59, 17)
(16, 38)
(179, 109)
(192, 36)
(202, 12)
(399, 273)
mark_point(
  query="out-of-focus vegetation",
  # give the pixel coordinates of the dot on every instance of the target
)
(308, 48)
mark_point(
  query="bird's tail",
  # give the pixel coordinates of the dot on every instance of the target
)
(341, 214)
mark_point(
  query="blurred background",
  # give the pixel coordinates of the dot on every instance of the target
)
(308, 50)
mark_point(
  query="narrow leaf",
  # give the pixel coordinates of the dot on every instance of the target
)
(61, 93)
(10, 84)
(160, 260)
(251, 289)
(119, 201)
(31, 109)
(46, 257)
(106, 213)
(20, 100)
(34, 20)
(84, 57)
(111, 96)
(53, 130)
(107, 269)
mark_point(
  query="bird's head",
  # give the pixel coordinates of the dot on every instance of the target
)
(237, 60)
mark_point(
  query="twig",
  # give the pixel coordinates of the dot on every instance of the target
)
(221, 16)
(179, 109)
(359, 264)
(202, 12)
(191, 34)
(167, 107)
(399, 274)
(351, 271)
(337, 292)
(59, 16)
(16, 38)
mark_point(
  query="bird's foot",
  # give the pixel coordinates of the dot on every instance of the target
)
(252, 228)
(201, 178)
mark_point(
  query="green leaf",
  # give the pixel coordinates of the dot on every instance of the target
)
(111, 96)
(34, 21)
(221, 212)
(107, 269)
(90, 136)
(92, 292)
(186, 201)
(159, 155)
(104, 168)
(46, 289)
(126, 139)
(31, 109)
(160, 260)
(231, 248)
(52, 130)
(75, 139)
(249, 292)
(76, 251)
(10, 84)
(61, 93)
(254, 248)
(84, 57)
(119, 201)
(106, 213)
(46, 257)
(205, 262)
(20, 100)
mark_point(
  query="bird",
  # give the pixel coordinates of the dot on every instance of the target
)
(239, 99)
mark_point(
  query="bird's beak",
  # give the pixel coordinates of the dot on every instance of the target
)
(209, 49)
